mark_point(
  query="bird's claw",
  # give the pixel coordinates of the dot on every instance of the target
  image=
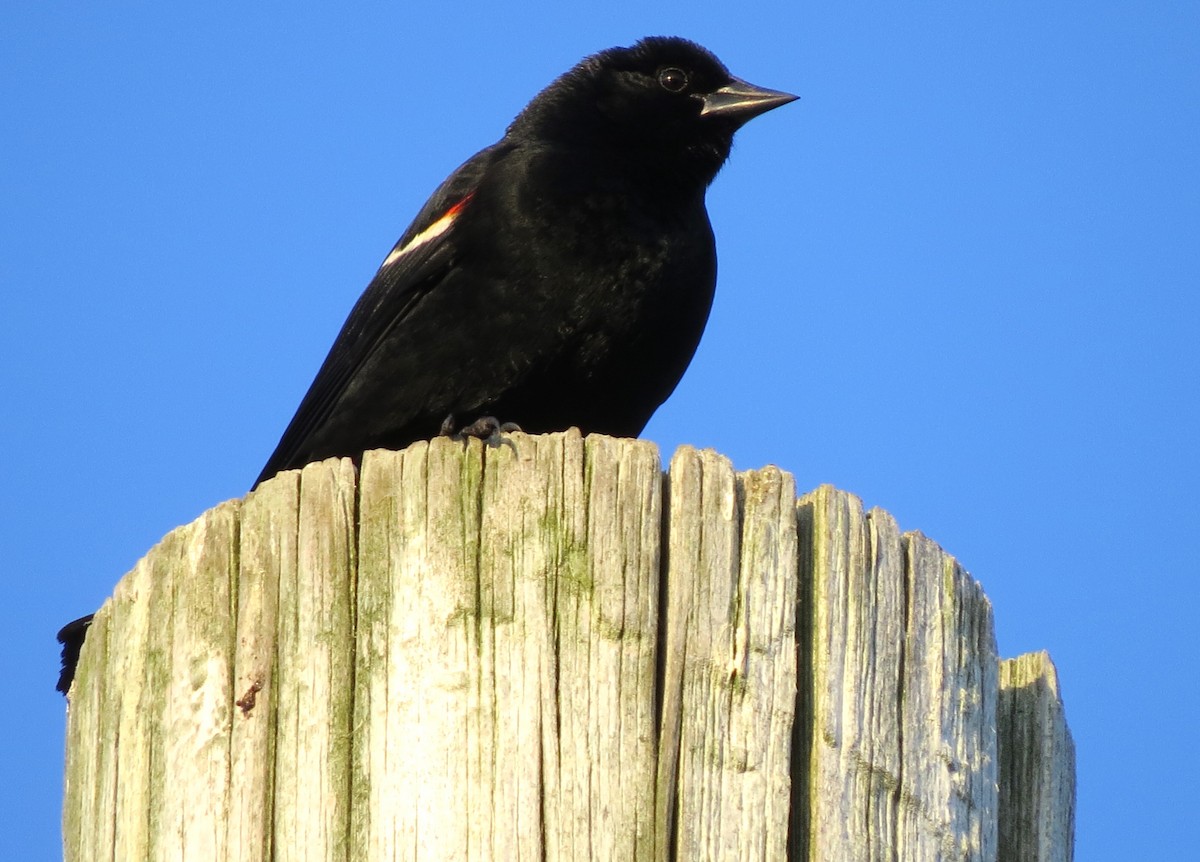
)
(485, 428)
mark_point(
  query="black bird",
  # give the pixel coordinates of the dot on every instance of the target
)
(561, 277)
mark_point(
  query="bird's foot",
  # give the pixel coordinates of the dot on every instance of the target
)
(485, 428)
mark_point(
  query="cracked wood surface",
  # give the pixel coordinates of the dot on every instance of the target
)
(550, 650)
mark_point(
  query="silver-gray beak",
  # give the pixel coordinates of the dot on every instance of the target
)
(742, 101)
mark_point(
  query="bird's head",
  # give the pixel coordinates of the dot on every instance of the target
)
(665, 105)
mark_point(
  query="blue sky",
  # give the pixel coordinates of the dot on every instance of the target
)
(958, 278)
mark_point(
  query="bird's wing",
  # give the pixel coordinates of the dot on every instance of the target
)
(415, 266)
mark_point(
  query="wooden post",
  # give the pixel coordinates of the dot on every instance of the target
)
(549, 650)
(1037, 764)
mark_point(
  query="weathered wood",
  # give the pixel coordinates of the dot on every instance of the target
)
(507, 632)
(190, 745)
(730, 658)
(267, 557)
(314, 673)
(544, 650)
(154, 775)
(901, 756)
(1037, 764)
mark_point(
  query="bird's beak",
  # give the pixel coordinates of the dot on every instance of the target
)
(742, 101)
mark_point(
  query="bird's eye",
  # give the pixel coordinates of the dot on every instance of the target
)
(673, 79)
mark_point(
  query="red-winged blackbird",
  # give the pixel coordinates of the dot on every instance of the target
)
(561, 277)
